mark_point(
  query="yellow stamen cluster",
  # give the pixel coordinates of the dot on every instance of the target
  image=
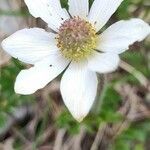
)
(76, 39)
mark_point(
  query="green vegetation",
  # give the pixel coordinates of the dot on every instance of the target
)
(48, 114)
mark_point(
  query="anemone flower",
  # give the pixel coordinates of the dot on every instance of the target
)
(75, 46)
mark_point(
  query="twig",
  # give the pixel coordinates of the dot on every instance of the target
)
(99, 136)
(100, 94)
(68, 143)
(59, 139)
(78, 140)
(137, 74)
(44, 136)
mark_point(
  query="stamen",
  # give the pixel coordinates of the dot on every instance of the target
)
(76, 39)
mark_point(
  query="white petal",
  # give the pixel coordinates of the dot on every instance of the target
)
(30, 80)
(79, 8)
(104, 62)
(30, 45)
(49, 10)
(101, 11)
(78, 88)
(118, 37)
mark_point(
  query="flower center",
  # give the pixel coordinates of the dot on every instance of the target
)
(76, 39)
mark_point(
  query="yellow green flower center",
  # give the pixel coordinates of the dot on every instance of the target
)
(76, 39)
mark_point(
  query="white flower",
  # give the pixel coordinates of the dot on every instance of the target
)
(73, 46)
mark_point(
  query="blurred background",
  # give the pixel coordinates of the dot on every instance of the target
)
(120, 118)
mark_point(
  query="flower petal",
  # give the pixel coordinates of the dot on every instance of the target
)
(30, 80)
(101, 11)
(104, 62)
(49, 10)
(118, 37)
(78, 88)
(79, 8)
(30, 45)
